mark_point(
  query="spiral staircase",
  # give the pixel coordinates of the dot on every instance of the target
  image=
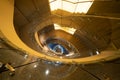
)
(58, 45)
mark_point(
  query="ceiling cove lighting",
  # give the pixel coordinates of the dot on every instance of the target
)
(73, 6)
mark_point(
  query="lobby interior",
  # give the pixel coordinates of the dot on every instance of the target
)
(60, 39)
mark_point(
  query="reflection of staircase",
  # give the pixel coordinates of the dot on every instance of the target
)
(25, 60)
(87, 33)
(10, 36)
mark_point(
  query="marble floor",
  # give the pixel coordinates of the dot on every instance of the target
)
(32, 68)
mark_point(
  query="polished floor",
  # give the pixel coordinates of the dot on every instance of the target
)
(31, 68)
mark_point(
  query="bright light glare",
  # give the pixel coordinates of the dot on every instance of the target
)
(97, 52)
(47, 72)
(77, 6)
(35, 66)
(66, 29)
(26, 56)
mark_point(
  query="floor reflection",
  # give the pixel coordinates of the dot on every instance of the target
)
(31, 68)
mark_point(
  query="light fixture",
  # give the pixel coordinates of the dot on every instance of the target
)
(47, 72)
